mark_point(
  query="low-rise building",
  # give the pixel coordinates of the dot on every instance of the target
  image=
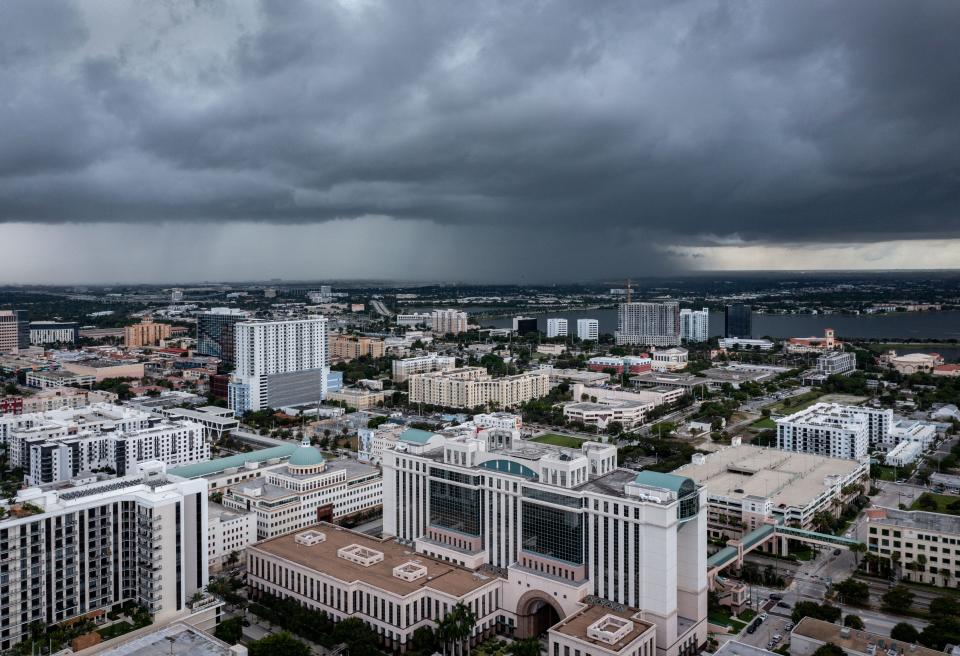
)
(745, 344)
(221, 473)
(922, 546)
(811, 633)
(748, 486)
(669, 360)
(905, 453)
(359, 398)
(65, 397)
(498, 421)
(912, 363)
(619, 364)
(828, 342)
(46, 380)
(305, 490)
(684, 382)
(406, 367)
(589, 378)
(104, 369)
(229, 532)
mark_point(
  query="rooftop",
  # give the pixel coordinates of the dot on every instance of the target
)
(176, 640)
(577, 626)
(787, 478)
(217, 465)
(323, 557)
(737, 648)
(917, 520)
(856, 641)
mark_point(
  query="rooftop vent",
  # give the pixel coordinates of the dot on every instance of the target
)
(310, 538)
(410, 571)
(610, 629)
(360, 555)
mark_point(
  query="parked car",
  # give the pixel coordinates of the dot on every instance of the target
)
(763, 617)
(836, 552)
(783, 604)
(751, 629)
(789, 626)
(775, 596)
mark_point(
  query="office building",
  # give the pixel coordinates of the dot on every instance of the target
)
(564, 528)
(695, 325)
(830, 429)
(415, 319)
(304, 490)
(556, 327)
(648, 324)
(738, 321)
(744, 344)
(103, 369)
(669, 360)
(72, 549)
(215, 334)
(498, 421)
(403, 369)
(923, 546)
(524, 325)
(558, 376)
(810, 634)
(14, 331)
(445, 322)
(473, 387)
(813, 344)
(836, 362)
(628, 414)
(278, 363)
(145, 333)
(350, 347)
(748, 486)
(621, 364)
(358, 398)
(588, 329)
(229, 533)
(49, 332)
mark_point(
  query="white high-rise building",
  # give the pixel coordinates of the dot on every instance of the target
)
(556, 327)
(279, 363)
(94, 545)
(695, 325)
(830, 429)
(649, 324)
(448, 321)
(588, 329)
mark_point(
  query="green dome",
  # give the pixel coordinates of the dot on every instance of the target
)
(306, 456)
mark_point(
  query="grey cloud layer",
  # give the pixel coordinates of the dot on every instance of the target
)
(683, 121)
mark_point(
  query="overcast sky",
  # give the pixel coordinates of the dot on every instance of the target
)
(236, 139)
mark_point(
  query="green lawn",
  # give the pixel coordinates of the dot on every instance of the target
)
(764, 423)
(943, 500)
(795, 403)
(747, 614)
(114, 630)
(559, 440)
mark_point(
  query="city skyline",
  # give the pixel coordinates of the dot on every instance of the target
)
(496, 143)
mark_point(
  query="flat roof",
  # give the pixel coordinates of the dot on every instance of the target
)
(737, 648)
(788, 478)
(176, 639)
(919, 520)
(577, 624)
(323, 558)
(856, 641)
(217, 465)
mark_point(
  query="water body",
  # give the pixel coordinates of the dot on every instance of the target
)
(900, 325)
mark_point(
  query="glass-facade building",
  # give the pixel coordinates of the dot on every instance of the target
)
(737, 321)
(215, 334)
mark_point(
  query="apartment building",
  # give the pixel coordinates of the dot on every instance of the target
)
(279, 363)
(695, 325)
(351, 347)
(304, 490)
(70, 549)
(922, 546)
(648, 324)
(215, 334)
(588, 329)
(556, 328)
(448, 321)
(14, 331)
(65, 397)
(473, 387)
(836, 430)
(403, 369)
(748, 486)
(50, 332)
(564, 528)
(145, 333)
(229, 532)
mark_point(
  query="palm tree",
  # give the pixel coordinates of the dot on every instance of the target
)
(857, 549)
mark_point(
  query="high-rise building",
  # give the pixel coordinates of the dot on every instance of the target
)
(649, 324)
(448, 321)
(524, 325)
(90, 547)
(588, 329)
(563, 527)
(145, 333)
(556, 327)
(176, 295)
(695, 325)
(738, 321)
(279, 363)
(51, 332)
(215, 334)
(14, 330)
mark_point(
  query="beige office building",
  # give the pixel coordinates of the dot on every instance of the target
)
(473, 387)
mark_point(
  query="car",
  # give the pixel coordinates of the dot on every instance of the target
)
(789, 626)
(783, 604)
(763, 617)
(836, 552)
(751, 629)
(777, 638)
(775, 596)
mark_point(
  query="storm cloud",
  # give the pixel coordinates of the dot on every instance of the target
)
(655, 126)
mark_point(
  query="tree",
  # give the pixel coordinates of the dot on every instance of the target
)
(230, 631)
(945, 606)
(926, 501)
(853, 621)
(527, 647)
(898, 599)
(905, 632)
(829, 649)
(424, 641)
(824, 612)
(941, 632)
(278, 644)
(851, 591)
(858, 550)
(359, 638)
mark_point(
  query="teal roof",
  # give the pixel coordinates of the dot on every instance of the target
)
(201, 469)
(509, 467)
(306, 456)
(679, 484)
(416, 436)
(722, 557)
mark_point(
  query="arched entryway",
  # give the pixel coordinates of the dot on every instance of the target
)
(536, 612)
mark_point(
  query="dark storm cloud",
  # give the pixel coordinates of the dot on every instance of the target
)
(683, 122)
